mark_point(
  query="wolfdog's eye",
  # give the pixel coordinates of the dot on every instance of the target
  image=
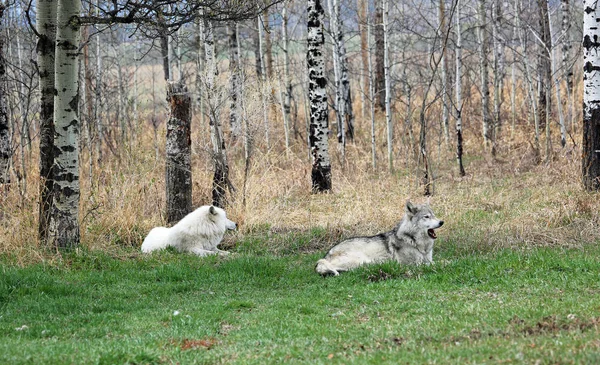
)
(427, 216)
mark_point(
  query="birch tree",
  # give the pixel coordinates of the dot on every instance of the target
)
(388, 101)
(63, 229)
(545, 73)
(317, 95)
(234, 80)
(5, 148)
(483, 69)
(590, 158)
(46, 29)
(287, 81)
(443, 72)
(458, 88)
(178, 173)
(221, 176)
(379, 56)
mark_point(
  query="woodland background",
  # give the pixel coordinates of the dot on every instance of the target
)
(521, 124)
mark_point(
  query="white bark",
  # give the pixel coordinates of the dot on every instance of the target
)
(371, 97)
(443, 72)
(388, 101)
(459, 142)
(263, 81)
(287, 87)
(483, 69)
(5, 148)
(64, 222)
(339, 102)
(561, 118)
(317, 95)
(591, 96)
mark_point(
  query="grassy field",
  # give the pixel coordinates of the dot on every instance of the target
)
(508, 306)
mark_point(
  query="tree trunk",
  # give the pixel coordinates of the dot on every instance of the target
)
(567, 66)
(317, 95)
(268, 46)
(46, 27)
(379, 57)
(337, 70)
(443, 72)
(364, 52)
(371, 97)
(498, 72)
(387, 76)
(263, 82)
(63, 229)
(459, 136)
(545, 70)
(178, 150)
(590, 159)
(5, 147)
(257, 48)
(287, 81)
(234, 70)
(221, 177)
(483, 69)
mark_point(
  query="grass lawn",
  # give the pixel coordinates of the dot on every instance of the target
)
(510, 306)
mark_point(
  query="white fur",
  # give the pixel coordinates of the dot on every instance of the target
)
(198, 232)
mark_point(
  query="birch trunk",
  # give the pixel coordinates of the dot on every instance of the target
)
(98, 97)
(63, 229)
(590, 158)
(337, 70)
(263, 82)
(267, 47)
(364, 54)
(46, 27)
(561, 119)
(221, 177)
(483, 69)
(498, 55)
(545, 71)
(5, 147)
(234, 70)
(287, 87)
(443, 72)
(388, 101)
(317, 95)
(379, 57)
(371, 97)
(178, 176)
(567, 66)
(459, 136)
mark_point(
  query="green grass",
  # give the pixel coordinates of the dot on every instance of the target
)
(506, 306)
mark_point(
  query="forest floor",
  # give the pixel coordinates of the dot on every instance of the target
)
(509, 306)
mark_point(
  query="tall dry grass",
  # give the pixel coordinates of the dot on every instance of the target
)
(507, 201)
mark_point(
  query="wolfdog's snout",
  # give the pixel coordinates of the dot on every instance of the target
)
(441, 223)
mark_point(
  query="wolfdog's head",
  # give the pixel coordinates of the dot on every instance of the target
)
(421, 218)
(218, 215)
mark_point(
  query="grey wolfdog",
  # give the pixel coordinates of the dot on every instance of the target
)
(410, 242)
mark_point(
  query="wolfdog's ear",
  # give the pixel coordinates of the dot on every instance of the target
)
(212, 210)
(410, 208)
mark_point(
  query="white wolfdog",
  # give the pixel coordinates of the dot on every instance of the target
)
(199, 233)
(410, 242)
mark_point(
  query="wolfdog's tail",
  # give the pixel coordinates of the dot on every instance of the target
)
(324, 267)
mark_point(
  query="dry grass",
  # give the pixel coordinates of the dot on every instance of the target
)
(506, 202)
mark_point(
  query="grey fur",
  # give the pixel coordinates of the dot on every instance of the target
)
(409, 242)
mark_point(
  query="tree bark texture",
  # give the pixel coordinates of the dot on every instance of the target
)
(63, 230)
(5, 148)
(459, 136)
(387, 83)
(379, 57)
(590, 158)
(317, 95)
(234, 81)
(178, 151)
(46, 27)
(483, 69)
(221, 176)
(544, 66)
